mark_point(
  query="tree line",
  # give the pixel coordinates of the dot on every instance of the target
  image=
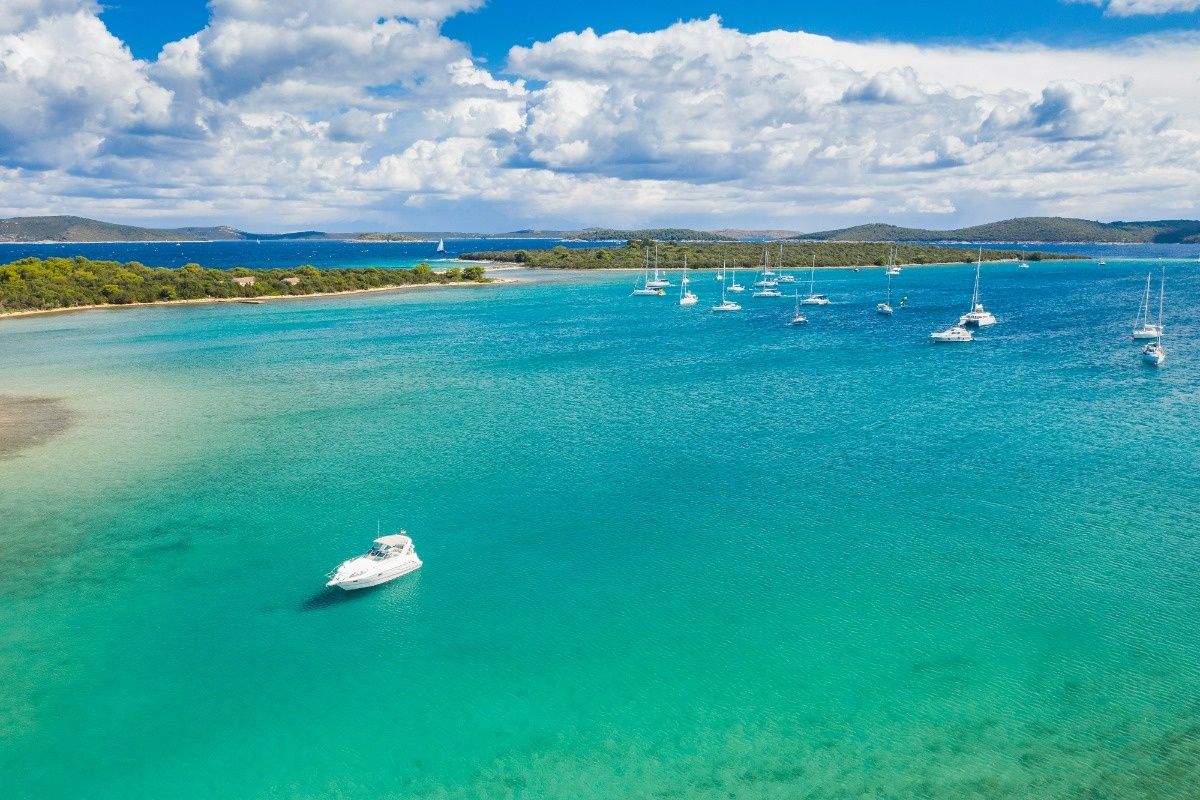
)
(33, 284)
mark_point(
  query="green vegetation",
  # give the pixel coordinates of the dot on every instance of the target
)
(743, 255)
(1025, 229)
(33, 284)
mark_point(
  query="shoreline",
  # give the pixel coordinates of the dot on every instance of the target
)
(496, 266)
(254, 300)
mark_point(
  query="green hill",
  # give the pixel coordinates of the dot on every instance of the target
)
(1024, 229)
(82, 229)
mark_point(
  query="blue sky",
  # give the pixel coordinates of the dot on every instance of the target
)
(456, 114)
(146, 25)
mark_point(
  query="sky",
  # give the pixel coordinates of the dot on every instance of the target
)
(470, 115)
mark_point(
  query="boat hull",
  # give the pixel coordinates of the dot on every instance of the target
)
(366, 581)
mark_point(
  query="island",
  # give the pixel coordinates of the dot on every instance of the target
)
(743, 255)
(33, 285)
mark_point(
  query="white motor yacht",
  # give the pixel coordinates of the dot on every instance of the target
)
(391, 557)
(768, 291)
(953, 334)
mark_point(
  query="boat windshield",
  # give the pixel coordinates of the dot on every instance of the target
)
(380, 551)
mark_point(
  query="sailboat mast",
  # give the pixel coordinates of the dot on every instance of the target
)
(1162, 287)
(812, 274)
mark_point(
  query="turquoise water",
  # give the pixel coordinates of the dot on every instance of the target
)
(667, 553)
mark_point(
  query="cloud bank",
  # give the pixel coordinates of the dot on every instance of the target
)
(364, 114)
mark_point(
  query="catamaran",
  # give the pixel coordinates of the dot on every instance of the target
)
(978, 316)
(725, 304)
(686, 296)
(1154, 353)
(813, 298)
(885, 308)
(1143, 327)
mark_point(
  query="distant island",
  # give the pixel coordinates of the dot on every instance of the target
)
(34, 284)
(1043, 230)
(1047, 230)
(746, 255)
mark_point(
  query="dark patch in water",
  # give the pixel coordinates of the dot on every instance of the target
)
(327, 598)
(29, 421)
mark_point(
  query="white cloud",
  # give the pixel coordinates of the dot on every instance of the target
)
(1130, 8)
(304, 113)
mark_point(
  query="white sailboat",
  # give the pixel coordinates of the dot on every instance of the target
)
(1154, 353)
(788, 278)
(659, 281)
(441, 248)
(892, 268)
(1022, 264)
(643, 287)
(726, 304)
(885, 308)
(978, 316)
(813, 298)
(1143, 327)
(686, 296)
(734, 286)
(797, 317)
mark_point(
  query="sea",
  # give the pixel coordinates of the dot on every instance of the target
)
(668, 553)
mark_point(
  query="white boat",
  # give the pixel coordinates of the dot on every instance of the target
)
(644, 287)
(1101, 262)
(1154, 353)
(1143, 327)
(885, 308)
(892, 269)
(813, 298)
(978, 316)
(441, 248)
(659, 281)
(686, 296)
(734, 286)
(768, 291)
(797, 317)
(788, 278)
(766, 271)
(957, 333)
(1022, 264)
(726, 304)
(389, 558)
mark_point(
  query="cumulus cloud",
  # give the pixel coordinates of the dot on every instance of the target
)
(303, 112)
(1130, 8)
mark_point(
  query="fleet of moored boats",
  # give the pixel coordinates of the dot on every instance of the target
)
(977, 316)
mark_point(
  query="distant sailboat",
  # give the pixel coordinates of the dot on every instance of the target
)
(1022, 264)
(885, 308)
(686, 296)
(726, 304)
(813, 298)
(441, 248)
(797, 317)
(734, 286)
(659, 281)
(789, 278)
(1154, 353)
(1143, 327)
(892, 268)
(644, 288)
(978, 316)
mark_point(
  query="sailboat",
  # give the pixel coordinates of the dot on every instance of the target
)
(734, 286)
(725, 304)
(1154, 353)
(644, 288)
(797, 317)
(1022, 264)
(978, 316)
(1143, 327)
(813, 298)
(892, 268)
(788, 278)
(686, 296)
(886, 308)
(660, 281)
(767, 264)
(441, 248)
(767, 286)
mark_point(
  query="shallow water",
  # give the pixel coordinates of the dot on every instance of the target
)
(668, 553)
